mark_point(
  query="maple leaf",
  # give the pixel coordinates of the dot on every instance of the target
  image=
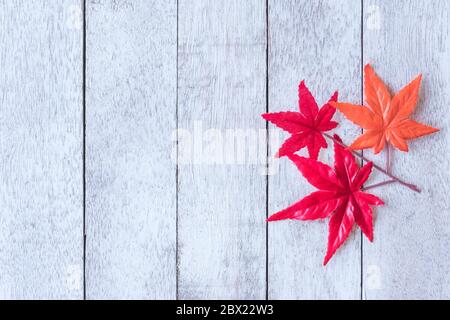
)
(306, 126)
(386, 118)
(339, 196)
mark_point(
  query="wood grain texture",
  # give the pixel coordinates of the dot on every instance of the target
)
(221, 206)
(131, 180)
(131, 173)
(41, 228)
(409, 258)
(318, 41)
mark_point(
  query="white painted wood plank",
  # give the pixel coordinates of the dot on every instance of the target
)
(221, 206)
(41, 194)
(131, 179)
(409, 258)
(318, 41)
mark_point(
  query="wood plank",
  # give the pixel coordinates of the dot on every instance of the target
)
(131, 180)
(409, 258)
(318, 41)
(221, 206)
(41, 194)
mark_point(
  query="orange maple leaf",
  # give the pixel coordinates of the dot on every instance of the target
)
(386, 118)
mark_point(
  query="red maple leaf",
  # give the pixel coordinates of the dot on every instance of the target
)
(306, 126)
(339, 196)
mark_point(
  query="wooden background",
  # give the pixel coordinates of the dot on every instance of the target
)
(93, 204)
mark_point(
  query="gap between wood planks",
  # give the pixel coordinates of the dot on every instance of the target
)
(177, 270)
(267, 150)
(362, 151)
(83, 5)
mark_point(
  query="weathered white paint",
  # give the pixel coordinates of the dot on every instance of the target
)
(131, 180)
(131, 184)
(320, 43)
(409, 258)
(221, 206)
(41, 228)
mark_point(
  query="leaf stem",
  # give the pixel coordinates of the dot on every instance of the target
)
(376, 185)
(406, 184)
(388, 158)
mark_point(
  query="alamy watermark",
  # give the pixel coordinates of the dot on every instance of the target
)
(210, 146)
(373, 18)
(373, 277)
(74, 17)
